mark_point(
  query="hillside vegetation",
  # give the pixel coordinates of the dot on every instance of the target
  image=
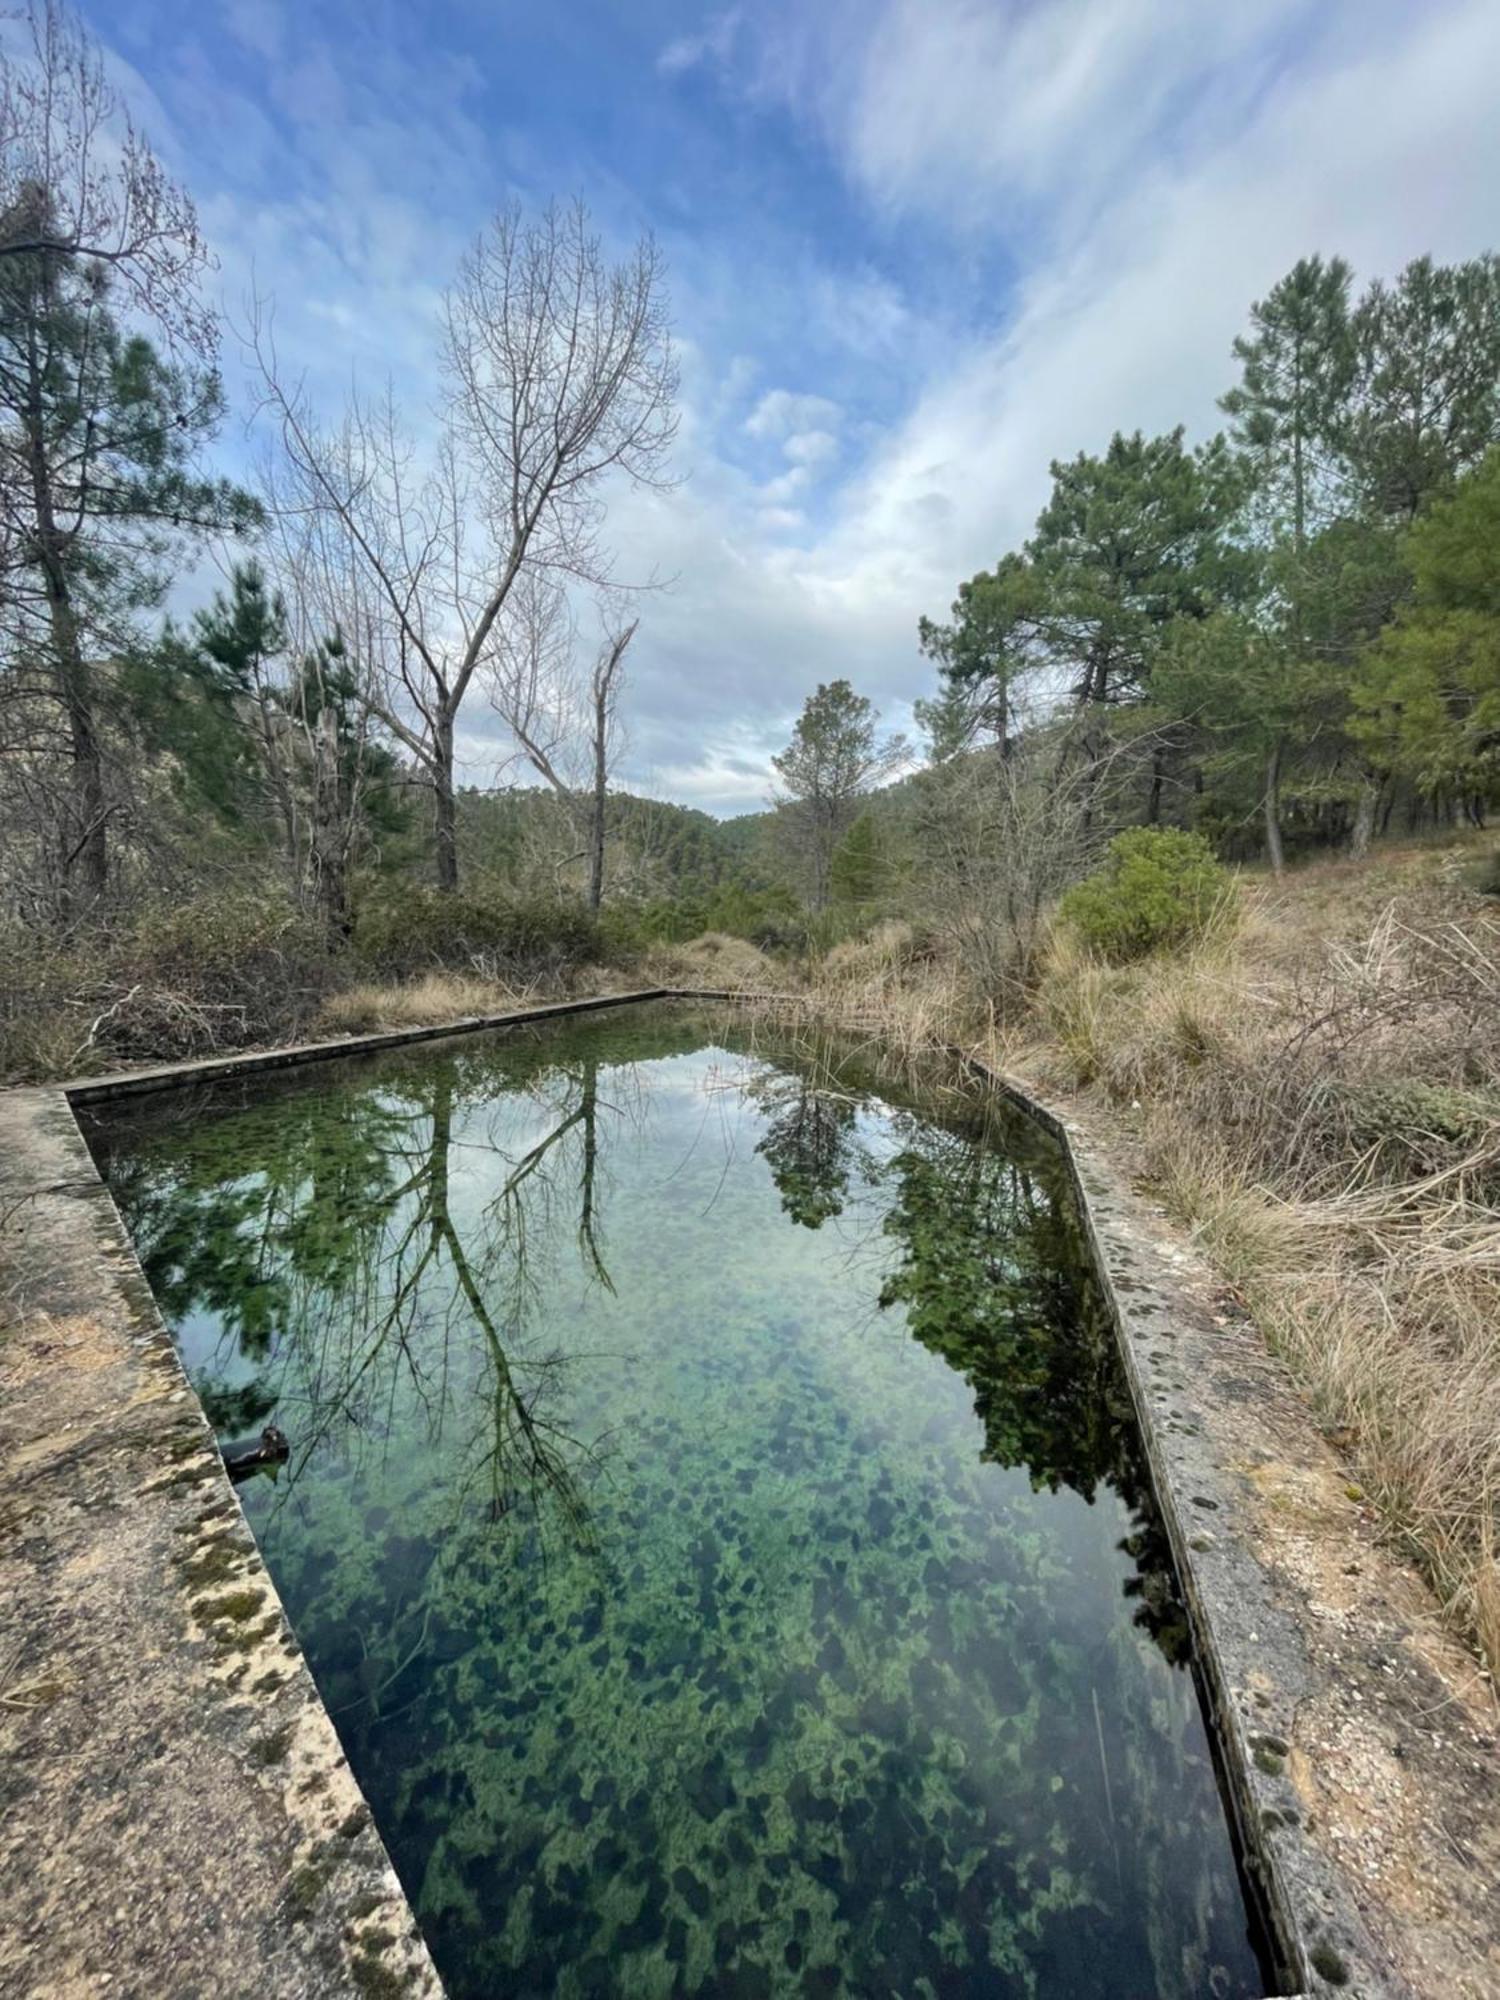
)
(1197, 823)
(1316, 1092)
(1311, 1085)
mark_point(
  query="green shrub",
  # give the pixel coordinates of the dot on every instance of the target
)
(410, 928)
(771, 918)
(1157, 890)
(1417, 1128)
(780, 931)
(221, 947)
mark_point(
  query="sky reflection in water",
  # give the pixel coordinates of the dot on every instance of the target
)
(714, 1516)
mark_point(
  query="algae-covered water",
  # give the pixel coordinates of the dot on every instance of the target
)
(714, 1516)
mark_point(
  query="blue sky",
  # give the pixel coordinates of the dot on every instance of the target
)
(917, 249)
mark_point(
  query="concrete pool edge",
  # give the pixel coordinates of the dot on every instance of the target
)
(178, 1815)
(306, 1934)
(1391, 1893)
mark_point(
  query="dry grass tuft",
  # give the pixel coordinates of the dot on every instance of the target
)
(713, 960)
(425, 1002)
(882, 955)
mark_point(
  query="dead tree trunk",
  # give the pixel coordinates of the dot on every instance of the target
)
(605, 690)
(1272, 810)
(330, 828)
(444, 812)
(1364, 817)
(597, 808)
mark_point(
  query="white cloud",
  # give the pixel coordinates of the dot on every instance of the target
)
(811, 448)
(713, 45)
(1380, 150)
(780, 520)
(258, 25)
(1147, 166)
(959, 96)
(780, 412)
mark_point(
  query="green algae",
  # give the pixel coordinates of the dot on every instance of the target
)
(236, 1606)
(305, 1886)
(211, 1562)
(374, 1979)
(715, 1518)
(266, 1751)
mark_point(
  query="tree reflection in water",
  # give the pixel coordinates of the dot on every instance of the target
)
(991, 1272)
(344, 1276)
(712, 1554)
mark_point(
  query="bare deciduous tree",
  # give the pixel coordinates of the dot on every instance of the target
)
(558, 376)
(605, 683)
(78, 180)
(1003, 834)
(566, 722)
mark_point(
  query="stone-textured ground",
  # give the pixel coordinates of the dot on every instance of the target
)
(1368, 1738)
(176, 1817)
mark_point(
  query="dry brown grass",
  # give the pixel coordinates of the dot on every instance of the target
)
(458, 996)
(418, 1003)
(716, 960)
(1318, 1098)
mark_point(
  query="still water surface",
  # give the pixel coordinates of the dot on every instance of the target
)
(714, 1519)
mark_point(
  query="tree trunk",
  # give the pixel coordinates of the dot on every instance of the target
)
(1094, 763)
(1153, 804)
(598, 802)
(1272, 807)
(85, 858)
(824, 840)
(444, 817)
(273, 757)
(83, 851)
(329, 826)
(1364, 818)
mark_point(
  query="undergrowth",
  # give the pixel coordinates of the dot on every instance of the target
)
(1317, 1095)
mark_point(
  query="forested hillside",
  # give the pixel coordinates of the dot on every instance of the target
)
(1279, 641)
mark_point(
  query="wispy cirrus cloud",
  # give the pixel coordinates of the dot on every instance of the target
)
(712, 44)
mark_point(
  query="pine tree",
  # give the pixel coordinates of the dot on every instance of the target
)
(1426, 399)
(860, 865)
(97, 492)
(833, 759)
(1288, 410)
(1428, 696)
(1128, 542)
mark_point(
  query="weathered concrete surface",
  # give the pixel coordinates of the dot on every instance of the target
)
(1361, 1740)
(176, 1816)
(245, 1062)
